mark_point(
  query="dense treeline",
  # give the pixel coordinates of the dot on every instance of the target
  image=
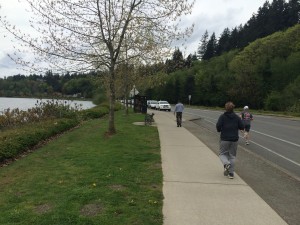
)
(77, 85)
(271, 17)
(265, 74)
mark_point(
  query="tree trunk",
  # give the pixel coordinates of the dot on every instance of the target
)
(112, 99)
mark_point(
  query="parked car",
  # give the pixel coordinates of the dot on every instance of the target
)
(163, 105)
(152, 104)
(148, 103)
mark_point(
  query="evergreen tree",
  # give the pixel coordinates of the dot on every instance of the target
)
(203, 45)
(234, 38)
(189, 61)
(194, 57)
(176, 63)
(293, 12)
(223, 44)
(262, 19)
(178, 60)
(169, 66)
(210, 48)
(278, 16)
(271, 17)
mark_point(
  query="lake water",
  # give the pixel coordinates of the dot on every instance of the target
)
(26, 103)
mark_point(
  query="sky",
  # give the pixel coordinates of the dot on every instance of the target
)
(210, 15)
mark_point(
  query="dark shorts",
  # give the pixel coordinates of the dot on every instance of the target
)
(247, 127)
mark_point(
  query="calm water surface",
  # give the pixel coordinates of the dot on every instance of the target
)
(26, 103)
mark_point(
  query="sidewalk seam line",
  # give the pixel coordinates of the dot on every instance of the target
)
(197, 182)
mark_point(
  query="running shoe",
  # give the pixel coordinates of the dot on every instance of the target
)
(226, 169)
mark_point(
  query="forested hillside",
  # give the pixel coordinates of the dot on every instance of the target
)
(265, 74)
(48, 85)
(270, 18)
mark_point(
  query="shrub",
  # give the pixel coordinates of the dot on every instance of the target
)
(99, 98)
(97, 111)
(93, 113)
(42, 111)
(18, 140)
(274, 102)
(24, 130)
(295, 108)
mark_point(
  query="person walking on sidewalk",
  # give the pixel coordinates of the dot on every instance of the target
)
(246, 117)
(178, 113)
(229, 125)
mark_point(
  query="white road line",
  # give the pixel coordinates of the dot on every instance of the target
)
(269, 150)
(279, 139)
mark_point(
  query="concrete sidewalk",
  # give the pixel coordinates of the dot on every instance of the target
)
(195, 189)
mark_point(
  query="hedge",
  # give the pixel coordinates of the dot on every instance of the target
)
(15, 141)
(18, 140)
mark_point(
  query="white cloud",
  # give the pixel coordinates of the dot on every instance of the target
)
(210, 15)
(17, 13)
(215, 16)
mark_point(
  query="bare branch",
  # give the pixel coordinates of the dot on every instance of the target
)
(92, 34)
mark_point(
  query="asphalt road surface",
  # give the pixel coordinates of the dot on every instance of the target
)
(276, 139)
(270, 164)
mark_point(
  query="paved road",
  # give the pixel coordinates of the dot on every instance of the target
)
(277, 186)
(276, 139)
(195, 190)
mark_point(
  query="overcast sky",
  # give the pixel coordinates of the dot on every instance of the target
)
(210, 15)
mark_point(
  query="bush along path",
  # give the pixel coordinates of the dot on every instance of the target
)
(21, 131)
(85, 177)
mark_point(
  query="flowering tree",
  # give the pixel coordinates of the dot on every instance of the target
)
(82, 35)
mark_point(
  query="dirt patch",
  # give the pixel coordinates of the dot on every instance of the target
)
(143, 124)
(153, 187)
(117, 187)
(42, 209)
(91, 210)
(156, 166)
(109, 134)
(19, 194)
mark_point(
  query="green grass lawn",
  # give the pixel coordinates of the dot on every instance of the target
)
(85, 178)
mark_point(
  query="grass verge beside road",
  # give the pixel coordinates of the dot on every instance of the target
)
(84, 177)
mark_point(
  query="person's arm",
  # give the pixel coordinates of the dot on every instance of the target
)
(219, 124)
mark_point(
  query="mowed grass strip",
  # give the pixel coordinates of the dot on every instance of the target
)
(85, 177)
